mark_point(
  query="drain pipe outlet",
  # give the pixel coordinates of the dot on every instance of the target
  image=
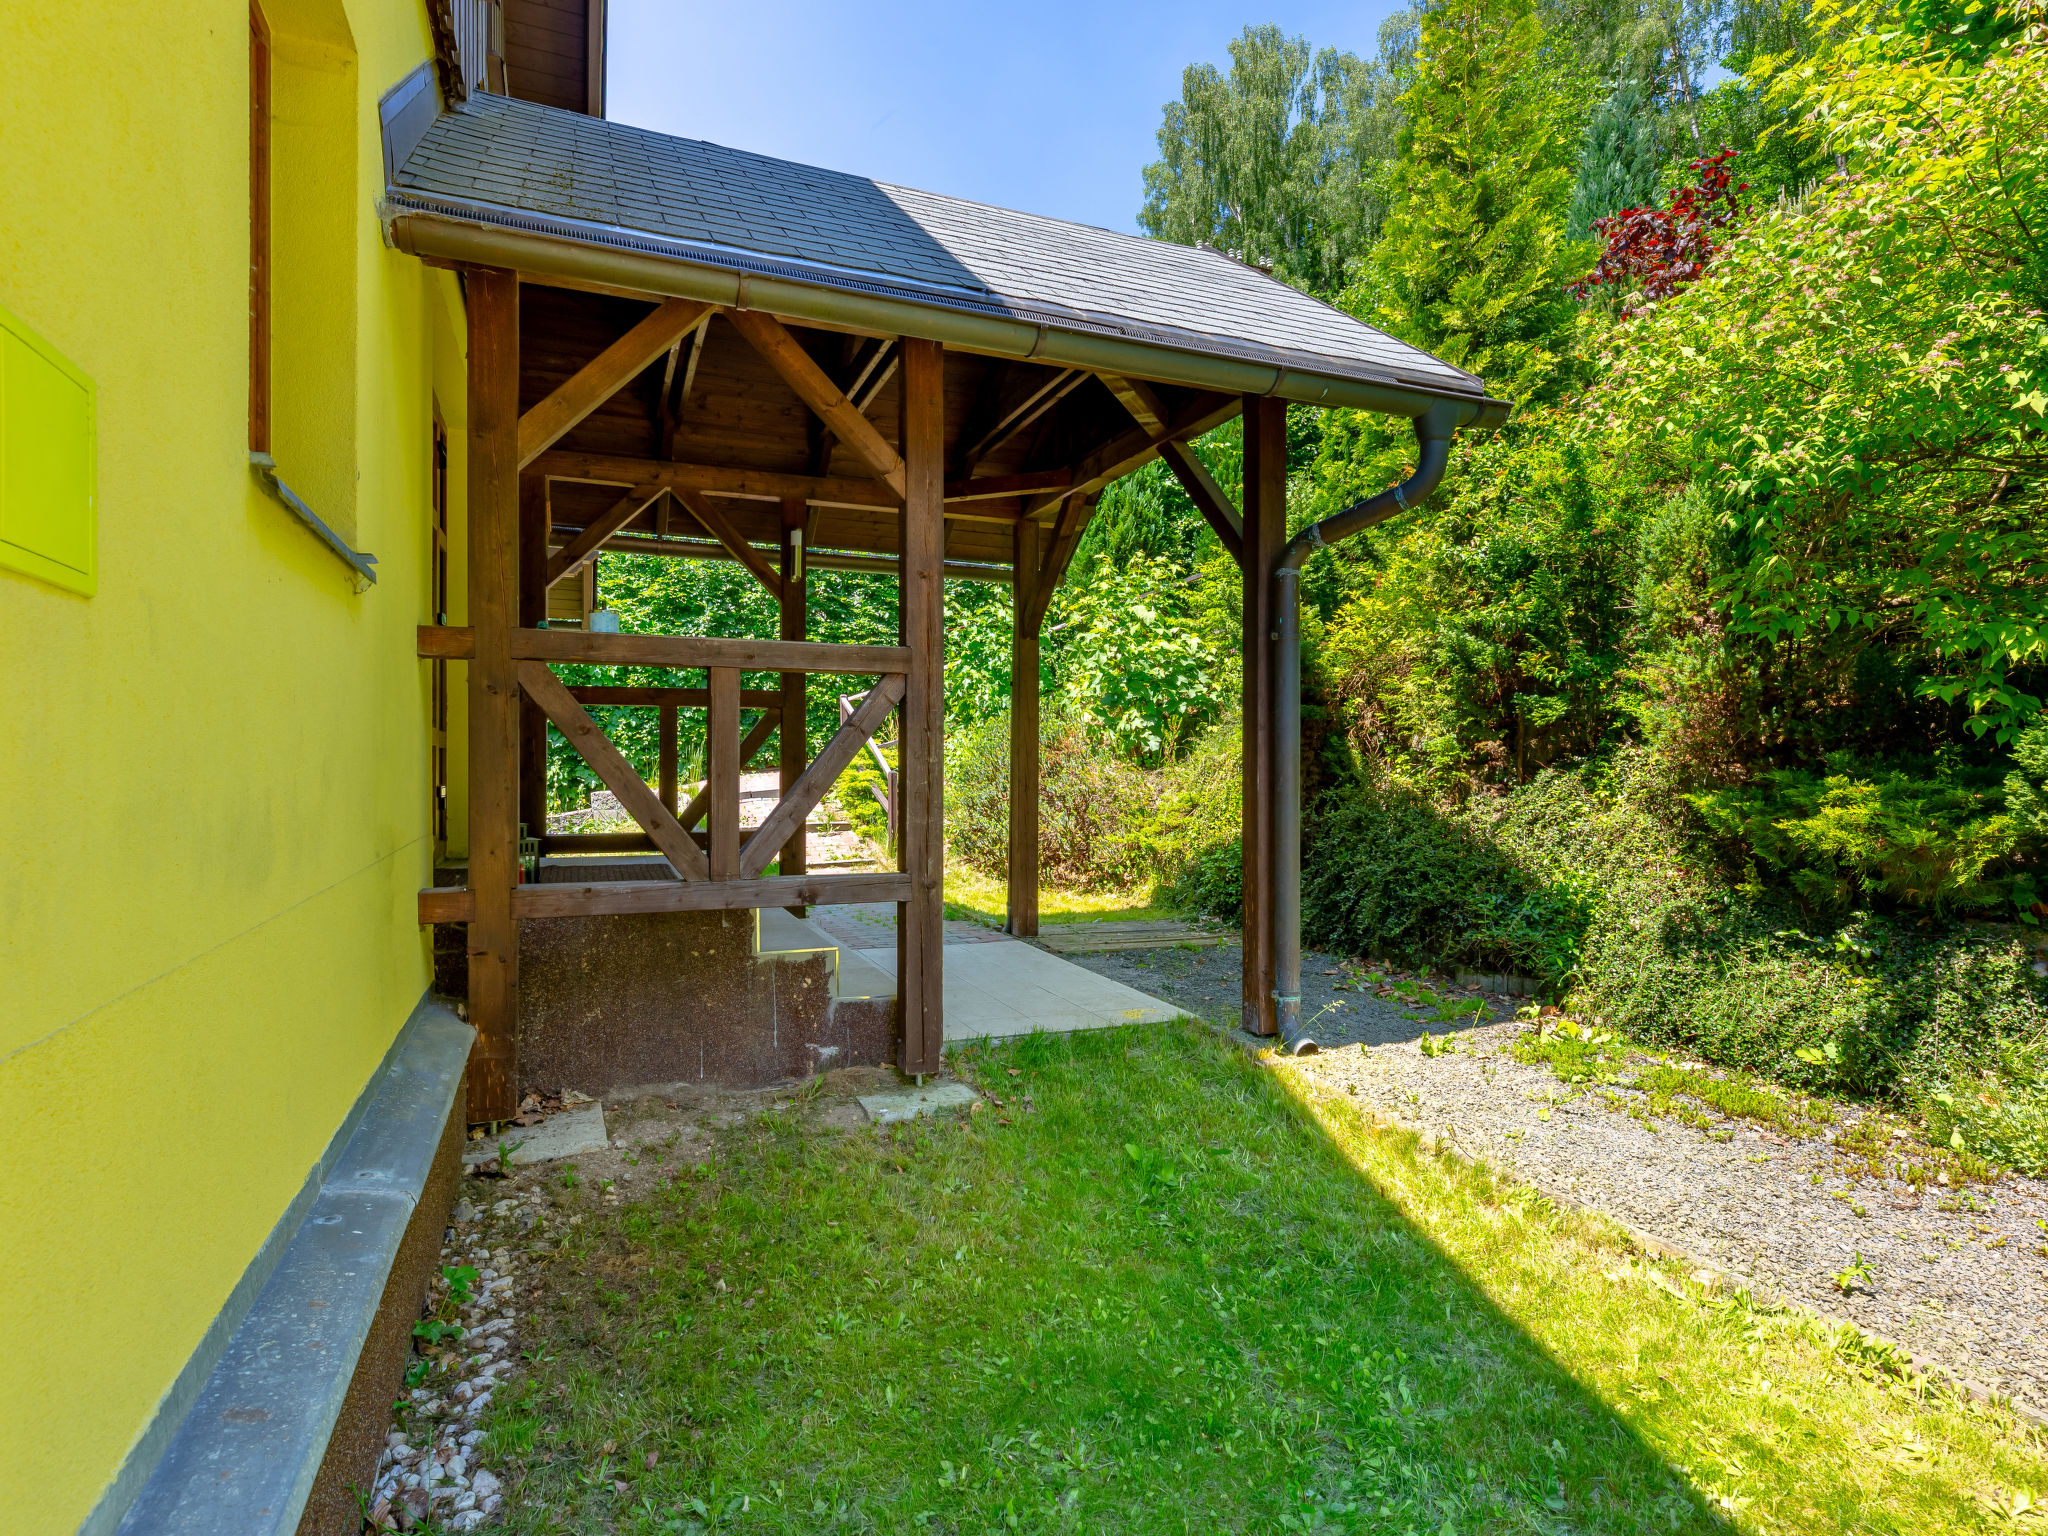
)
(1433, 432)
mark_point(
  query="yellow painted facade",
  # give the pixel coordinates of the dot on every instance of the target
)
(214, 767)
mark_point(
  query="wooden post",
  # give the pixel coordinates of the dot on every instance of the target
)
(667, 716)
(494, 694)
(1023, 897)
(722, 772)
(921, 832)
(1265, 535)
(533, 607)
(794, 745)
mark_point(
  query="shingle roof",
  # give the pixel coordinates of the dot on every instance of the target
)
(738, 207)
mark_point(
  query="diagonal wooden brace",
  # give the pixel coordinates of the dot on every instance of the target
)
(606, 374)
(584, 548)
(804, 795)
(813, 386)
(699, 506)
(640, 802)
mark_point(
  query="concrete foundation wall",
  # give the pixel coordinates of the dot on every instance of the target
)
(620, 1001)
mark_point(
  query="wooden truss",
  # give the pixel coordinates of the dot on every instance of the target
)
(675, 426)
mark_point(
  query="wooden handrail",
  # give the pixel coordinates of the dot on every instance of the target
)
(688, 698)
(445, 642)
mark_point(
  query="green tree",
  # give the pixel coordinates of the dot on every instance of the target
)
(1861, 381)
(1280, 163)
(1474, 261)
(1618, 167)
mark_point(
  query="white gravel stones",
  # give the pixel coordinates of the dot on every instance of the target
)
(430, 1462)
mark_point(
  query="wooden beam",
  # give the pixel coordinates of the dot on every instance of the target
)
(1129, 450)
(793, 747)
(494, 699)
(801, 373)
(802, 797)
(756, 737)
(715, 524)
(1021, 917)
(1138, 398)
(627, 896)
(921, 741)
(665, 749)
(823, 560)
(446, 642)
(610, 765)
(722, 773)
(772, 485)
(869, 378)
(583, 549)
(686, 698)
(692, 651)
(693, 346)
(446, 904)
(1265, 533)
(1210, 499)
(992, 486)
(604, 375)
(1064, 539)
(716, 480)
(1008, 422)
(533, 608)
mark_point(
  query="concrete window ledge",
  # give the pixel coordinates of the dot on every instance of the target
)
(246, 1458)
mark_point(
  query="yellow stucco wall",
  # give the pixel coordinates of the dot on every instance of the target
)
(213, 771)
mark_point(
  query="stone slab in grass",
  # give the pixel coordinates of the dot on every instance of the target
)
(901, 1104)
(568, 1134)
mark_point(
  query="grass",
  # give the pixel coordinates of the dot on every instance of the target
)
(1152, 1286)
(1651, 1086)
(977, 897)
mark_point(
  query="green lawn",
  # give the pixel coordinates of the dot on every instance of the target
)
(976, 896)
(1156, 1291)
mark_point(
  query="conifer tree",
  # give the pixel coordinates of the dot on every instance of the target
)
(1618, 165)
(1474, 258)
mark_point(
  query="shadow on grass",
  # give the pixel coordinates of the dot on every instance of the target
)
(1139, 1289)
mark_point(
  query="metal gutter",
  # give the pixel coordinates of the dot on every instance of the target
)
(483, 234)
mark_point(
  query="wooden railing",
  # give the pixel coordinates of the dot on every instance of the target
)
(715, 869)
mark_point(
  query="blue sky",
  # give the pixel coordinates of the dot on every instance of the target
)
(1050, 107)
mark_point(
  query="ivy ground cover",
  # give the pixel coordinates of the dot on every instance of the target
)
(1144, 1287)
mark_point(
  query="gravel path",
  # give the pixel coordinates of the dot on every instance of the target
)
(1956, 1275)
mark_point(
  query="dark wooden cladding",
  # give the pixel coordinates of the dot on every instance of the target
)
(548, 54)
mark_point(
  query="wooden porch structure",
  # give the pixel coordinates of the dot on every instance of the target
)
(630, 395)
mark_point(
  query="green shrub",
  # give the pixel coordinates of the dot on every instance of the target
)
(1384, 874)
(1092, 809)
(1842, 839)
(1193, 838)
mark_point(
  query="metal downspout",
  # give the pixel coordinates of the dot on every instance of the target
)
(1433, 432)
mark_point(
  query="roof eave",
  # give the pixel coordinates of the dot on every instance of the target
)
(485, 235)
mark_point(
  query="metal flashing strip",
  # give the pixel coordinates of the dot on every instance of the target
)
(363, 565)
(242, 1460)
(1309, 377)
